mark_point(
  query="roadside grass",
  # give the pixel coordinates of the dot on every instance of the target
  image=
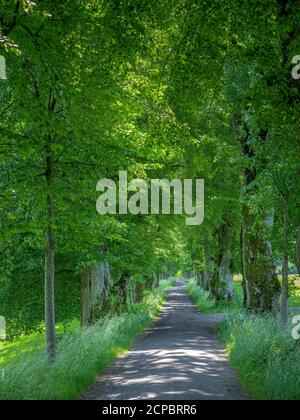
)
(294, 302)
(208, 305)
(81, 354)
(265, 356)
(166, 284)
(14, 352)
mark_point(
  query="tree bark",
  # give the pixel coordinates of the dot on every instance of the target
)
(209, 270)
(148, 283)
(285, 267)
(242, 265)
(155, 284)
(49, 240)
(222, 280)
(95, 286)
(86, 300)
(201, 279)
(215, 285)
(226, 273)
(139, 292)
(262, 284)
(259, 269)
(122, 288)
(132, 293)
(49, 261)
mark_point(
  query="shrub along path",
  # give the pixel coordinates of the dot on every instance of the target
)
(180, 358)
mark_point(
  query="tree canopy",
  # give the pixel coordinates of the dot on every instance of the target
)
(166, 89)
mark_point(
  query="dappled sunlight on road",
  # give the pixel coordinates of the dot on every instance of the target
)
(180, 358)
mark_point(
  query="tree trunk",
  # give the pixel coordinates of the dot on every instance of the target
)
(209, 270)
(225, 271)
(215, 285)
(86, 298)
(132, 293)
(262, 284)
(199, 267)
(155, 284)
(259, 269)
(96, 284)
(201, 279)
(285, 267)
(49, 261)
(148, 283)
(222, 280)
(122, 288)
(139, 292)
(245, 297)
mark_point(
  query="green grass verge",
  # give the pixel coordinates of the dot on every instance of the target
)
(13, 352)
(294, 301)
(209, 306)
(81, 355)
(166, 284)
(265, 356)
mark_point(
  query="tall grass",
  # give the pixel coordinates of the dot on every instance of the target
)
(208, 305)
(166, 284)
(266, 357)
(81, 356)
(201, 298)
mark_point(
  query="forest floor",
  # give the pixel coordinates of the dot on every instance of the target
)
(179, 358)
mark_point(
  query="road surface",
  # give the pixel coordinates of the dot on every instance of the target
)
(180, 358)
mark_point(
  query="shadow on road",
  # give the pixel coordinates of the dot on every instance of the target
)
(179, 359)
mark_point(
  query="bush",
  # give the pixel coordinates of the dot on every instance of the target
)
(267, 358)
(81, 356)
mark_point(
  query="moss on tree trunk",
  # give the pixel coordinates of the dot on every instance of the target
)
(95, 286)
(262, 284)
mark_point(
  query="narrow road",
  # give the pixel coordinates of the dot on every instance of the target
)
(179, 358)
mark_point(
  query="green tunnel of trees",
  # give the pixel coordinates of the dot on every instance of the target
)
(167, 89)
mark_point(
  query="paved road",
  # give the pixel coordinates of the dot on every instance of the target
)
(179, 359)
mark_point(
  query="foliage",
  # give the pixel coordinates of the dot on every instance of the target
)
(206, 304)
(266, 357)
(166, 89)
(82, 354)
